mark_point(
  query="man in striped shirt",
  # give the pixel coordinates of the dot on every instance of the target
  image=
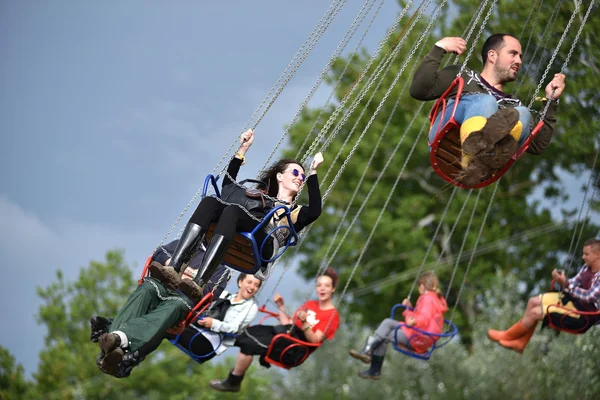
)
(580, 293)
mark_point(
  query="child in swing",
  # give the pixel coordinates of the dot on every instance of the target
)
(427, 315)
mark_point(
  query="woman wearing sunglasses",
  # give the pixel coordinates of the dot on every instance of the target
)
(284, 179)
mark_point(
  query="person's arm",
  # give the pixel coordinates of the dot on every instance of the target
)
(239, 158)
(424, 312)
(311, 336)
(576, 280)
(284, 319)
(242, 319)
(429, 82)
(591, 295)
(542, 140)
(309, 214)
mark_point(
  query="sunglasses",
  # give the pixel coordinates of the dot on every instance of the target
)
(297, 173)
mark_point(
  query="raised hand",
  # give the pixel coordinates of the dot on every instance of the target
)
(452, 44)
(557, 85)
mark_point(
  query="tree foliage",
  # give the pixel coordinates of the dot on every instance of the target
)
(408, 223)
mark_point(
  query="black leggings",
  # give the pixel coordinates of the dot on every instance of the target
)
(229, 219)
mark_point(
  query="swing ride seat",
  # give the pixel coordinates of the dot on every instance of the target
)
(176, 341)
(590, 318)
(437, 339)
(196, 310)
(286, 351)
(245, 254)
(446, 151)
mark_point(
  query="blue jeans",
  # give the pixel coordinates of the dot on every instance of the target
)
(483, 105)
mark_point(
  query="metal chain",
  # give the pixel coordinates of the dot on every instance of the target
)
(570, 255)
(343, 102)
(550, 24)
(554, 54)
(382, 72)
(537, 9)
(313, 38)
(335, 86)
(464, 241)
(481, 28)
(587, 214)
(328, 260)
(432, 241)
(446, 244)
(487, 212)
(387, 201)
(414, 49)
(366, 8)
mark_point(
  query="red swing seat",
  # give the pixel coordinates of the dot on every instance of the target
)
(194, 313)
(590, 318)
(446, 150)
(286, 351)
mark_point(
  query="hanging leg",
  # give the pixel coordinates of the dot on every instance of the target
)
(233, 383)
(514, 332)
(496, 128)
(186, 249)
(519, 344)
(374, 371)
(233, 219)
(212, 258)
(364, 355)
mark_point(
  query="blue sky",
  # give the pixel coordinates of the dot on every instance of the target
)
(112, 113)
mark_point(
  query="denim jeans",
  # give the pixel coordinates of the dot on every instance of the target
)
(483, 105)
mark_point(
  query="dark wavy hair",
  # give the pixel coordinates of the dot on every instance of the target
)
(330, 272)
(494, 42)
(269, 175)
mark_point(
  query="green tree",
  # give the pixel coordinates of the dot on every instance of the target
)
(67, 364)
(404, 233)
(552, 367)
(12, 379)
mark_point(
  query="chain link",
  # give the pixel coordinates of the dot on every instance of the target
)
(481, 28)
(349, 34)
(336, 85)
(414, 49)
(554, 54)
(342, 104)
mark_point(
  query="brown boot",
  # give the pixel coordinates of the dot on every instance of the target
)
(164, 273)
(476, 172)
(191, 290)
(512, 333)
(496, 128)
(500, 154)
(519, 344)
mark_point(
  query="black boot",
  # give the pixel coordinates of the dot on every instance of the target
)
(374, 371)
(233, 383)
(212, 258)
(365, 354)
(98, 326)
(186, 249)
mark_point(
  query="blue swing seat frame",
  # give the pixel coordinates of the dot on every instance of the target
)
(199, 358)
(245, 254)
(438, 339)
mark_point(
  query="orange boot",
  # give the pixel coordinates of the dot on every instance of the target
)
(519, 344)
(512, 333)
